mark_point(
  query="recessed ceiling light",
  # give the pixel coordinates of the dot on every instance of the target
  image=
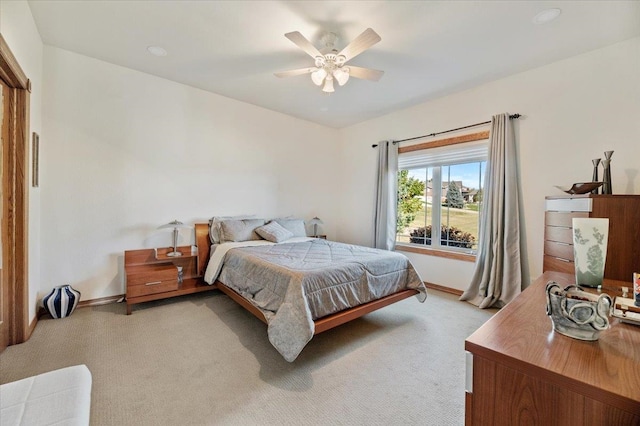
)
(157, 51)
(545, 16)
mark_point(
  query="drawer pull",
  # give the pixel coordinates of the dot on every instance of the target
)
(563, 260)
(154, 283)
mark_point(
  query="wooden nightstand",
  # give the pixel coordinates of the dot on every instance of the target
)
(152, 275)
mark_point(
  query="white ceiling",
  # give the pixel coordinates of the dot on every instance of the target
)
(428, 48)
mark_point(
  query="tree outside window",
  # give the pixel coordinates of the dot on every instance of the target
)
(410, 190)
(454, 196)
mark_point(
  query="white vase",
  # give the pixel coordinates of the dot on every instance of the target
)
(590, 237)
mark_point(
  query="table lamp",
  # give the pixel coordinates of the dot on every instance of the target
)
(175, 225)
(315, 222)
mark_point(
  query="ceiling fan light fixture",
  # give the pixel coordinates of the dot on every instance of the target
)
(341, 75)
(330, 64)
(318, 76)
(328, 85)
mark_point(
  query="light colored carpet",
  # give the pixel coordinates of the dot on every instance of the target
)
(202, 359)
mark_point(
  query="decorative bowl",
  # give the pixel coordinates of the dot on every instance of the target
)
(576, 313)
(580, 188)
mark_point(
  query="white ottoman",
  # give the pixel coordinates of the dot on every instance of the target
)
(61, 397)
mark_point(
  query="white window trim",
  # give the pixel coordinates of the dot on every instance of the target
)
(476, 145)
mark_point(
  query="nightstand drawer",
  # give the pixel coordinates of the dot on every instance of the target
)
(143, 274)
(150, 279)
(152, 287)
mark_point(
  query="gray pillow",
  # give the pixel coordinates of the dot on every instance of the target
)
(240, 230)
(274, 232)
(214, 226)
(296, 226)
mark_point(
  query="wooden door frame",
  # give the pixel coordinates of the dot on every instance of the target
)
(16, 190)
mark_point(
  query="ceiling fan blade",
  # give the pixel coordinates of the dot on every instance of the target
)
(361, 43)
(292, 73)
(303, 43)
(365, 73)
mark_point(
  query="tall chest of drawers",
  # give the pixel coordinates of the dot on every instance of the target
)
(623, 249)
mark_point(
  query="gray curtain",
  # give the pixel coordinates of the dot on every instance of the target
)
(386, 196)
(499, 274)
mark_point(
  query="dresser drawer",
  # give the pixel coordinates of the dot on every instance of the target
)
(559, 234)
(562, 218)
(551, 263)
(151, 279)
(569, 204)
(559, 250)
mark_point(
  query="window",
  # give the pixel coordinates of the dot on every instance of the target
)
(441, 188)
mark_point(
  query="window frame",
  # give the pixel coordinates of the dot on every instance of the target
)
(437, 250)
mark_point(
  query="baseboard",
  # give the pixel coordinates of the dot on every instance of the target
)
(40, 312)
(100, 301)
(32, 327)
(82, 304)
(444, 289)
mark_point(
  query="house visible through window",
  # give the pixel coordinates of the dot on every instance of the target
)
(441, 189)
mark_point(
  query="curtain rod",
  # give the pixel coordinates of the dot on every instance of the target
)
(512, 116)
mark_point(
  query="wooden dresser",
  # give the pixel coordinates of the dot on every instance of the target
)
(521, 372)
(623, 249)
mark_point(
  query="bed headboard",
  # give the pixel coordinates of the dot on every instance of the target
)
(204, 246)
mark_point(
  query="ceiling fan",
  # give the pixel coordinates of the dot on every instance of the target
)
(331, 66)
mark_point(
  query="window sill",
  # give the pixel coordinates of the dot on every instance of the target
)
(439, 253)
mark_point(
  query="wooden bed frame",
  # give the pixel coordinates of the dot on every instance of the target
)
(322, 324)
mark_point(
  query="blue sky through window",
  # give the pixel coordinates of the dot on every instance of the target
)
(467, 173)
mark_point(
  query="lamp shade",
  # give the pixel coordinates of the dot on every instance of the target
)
(174, 224)
(328, 85)
(342, 75)
(318, 76)
(316, 221)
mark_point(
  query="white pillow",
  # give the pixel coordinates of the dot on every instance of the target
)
(296, 226)
(274, 232)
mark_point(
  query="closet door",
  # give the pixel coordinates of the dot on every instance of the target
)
(14, 219)
(5, 99)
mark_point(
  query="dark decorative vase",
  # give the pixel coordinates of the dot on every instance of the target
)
(62, 301)
(606, 173)
(596, 163)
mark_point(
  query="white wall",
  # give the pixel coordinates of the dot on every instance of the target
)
(574, 110)
(126, 152)
(123, 152)
(19, 31)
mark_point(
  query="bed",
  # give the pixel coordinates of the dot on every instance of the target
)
(304, 286)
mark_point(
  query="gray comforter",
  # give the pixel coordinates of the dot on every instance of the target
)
(296, 283)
